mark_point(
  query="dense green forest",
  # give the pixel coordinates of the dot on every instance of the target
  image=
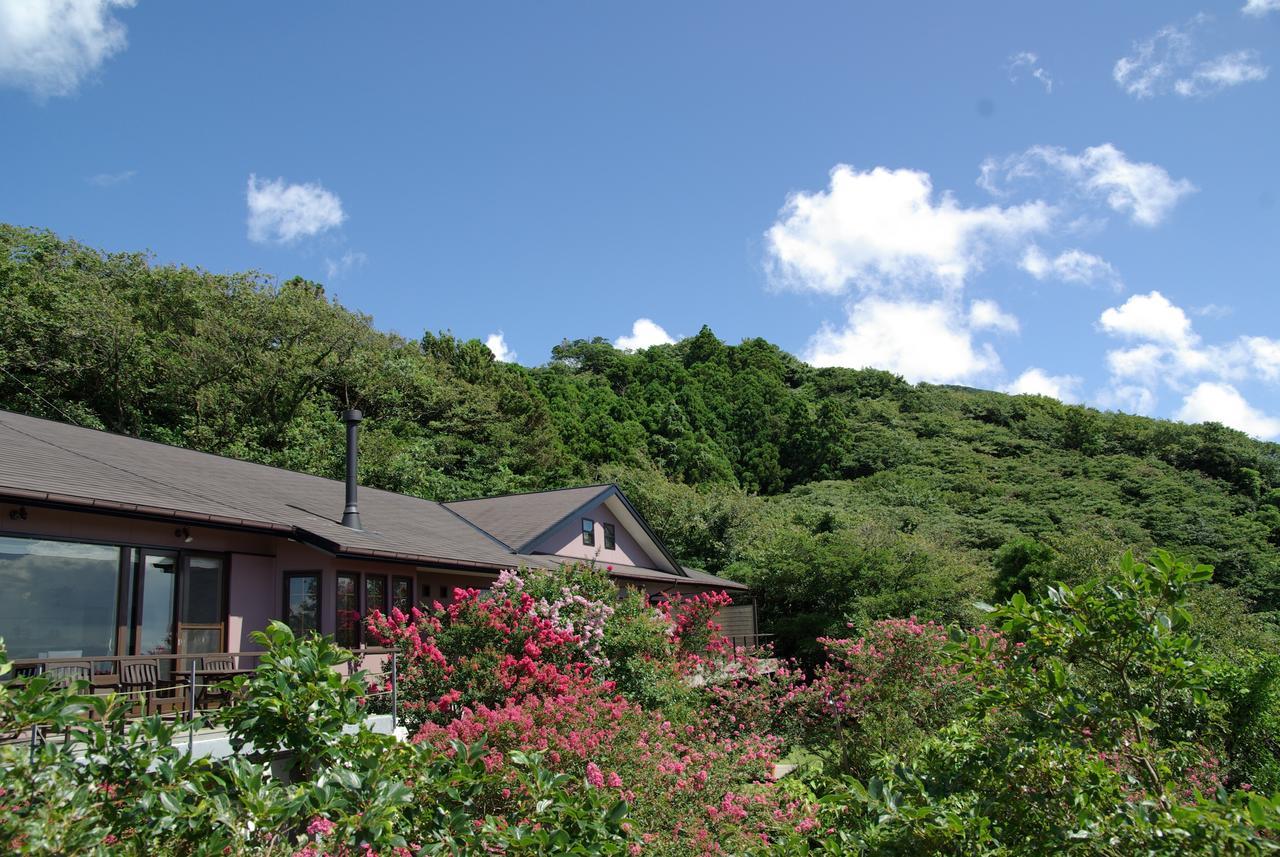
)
(840, 495)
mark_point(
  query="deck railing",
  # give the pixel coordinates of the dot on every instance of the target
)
(748, 641)
(174, 685)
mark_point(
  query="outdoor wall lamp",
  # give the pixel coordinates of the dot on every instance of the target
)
(18, 514)
(184, 534)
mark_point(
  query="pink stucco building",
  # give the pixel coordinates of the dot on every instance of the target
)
(114, 546)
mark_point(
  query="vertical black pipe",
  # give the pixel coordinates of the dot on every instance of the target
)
(351, 514)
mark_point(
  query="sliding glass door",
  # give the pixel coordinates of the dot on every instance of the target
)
(177, 604)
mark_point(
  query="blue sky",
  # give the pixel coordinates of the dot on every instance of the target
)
(1078, 199)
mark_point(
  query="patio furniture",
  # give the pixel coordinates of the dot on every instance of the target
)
(215, 671)
(142, 678)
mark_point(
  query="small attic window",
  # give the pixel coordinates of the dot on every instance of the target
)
(588, 532)
(609, 541)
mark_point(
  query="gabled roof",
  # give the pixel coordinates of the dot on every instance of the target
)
(61, 465)
(518, 520)
(523, 520)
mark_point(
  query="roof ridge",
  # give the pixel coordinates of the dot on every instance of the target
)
(530, 493)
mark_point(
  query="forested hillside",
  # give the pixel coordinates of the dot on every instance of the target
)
(840, 495)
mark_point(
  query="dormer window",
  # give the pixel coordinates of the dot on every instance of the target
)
(609, 542)
(588, 532)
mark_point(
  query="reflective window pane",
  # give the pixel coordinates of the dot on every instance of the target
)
(159, 576)
(347, 627)
(57, 598)
(202, 592)
(375, 593)
(402, 593)
(302, 602)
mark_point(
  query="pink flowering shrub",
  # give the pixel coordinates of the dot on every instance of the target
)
(694, 629)
(886, 690)
(691, 788)
(480, 650)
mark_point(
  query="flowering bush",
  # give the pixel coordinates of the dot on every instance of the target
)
(691, 788)
(886, 690)
(480, 650)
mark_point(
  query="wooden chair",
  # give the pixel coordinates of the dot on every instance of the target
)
(217, 663)
(142, 678)
(65, 676)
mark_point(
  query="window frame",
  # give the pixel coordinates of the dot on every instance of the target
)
(362, 599)
(589, 532)
(610, 537)
(319, 577)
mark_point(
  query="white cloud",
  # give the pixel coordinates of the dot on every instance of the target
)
(1151, 316)
(286, 212)
(1030, 62)
(922, 341)
(111, 179)
(1258, 8)
(883, 228)
(1145, 191)
(1221, 73)
(1167, 62)
(1070, 266)
(48, 47)
(987, 315)
(1130, 398)
(1169, 353)
(1155, 61)
(645, 333)
(1037, 382)
(1222, 403)
(497, 343)
(349, 261)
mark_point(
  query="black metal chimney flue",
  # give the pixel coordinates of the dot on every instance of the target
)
(351, 514)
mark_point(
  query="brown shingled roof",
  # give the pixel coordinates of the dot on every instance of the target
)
(42, 461)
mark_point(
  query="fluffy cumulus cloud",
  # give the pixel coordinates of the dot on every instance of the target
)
(283, 213)
(1069, 266)
(497, 343)
(920, 340)
(1169, 62)
(987, 315)
(48, 47)
(1258, 8)
(1144, 191)
(1222, 403)
(885, 228)
(1027, 62)
(1164, 351)
(1037, 382)
(1151, 316)
(645, 333)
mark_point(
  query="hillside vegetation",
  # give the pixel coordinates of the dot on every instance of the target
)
(840, 495)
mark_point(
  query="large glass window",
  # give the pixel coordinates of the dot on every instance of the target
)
(58, 599)
(302, 601)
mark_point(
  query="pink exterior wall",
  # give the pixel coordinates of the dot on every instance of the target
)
(256, 564)
(567, 541)
(253, 599)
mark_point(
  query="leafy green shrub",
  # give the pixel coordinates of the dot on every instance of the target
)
(296, 701)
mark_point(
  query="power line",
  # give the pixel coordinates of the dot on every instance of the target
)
(35, 393)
